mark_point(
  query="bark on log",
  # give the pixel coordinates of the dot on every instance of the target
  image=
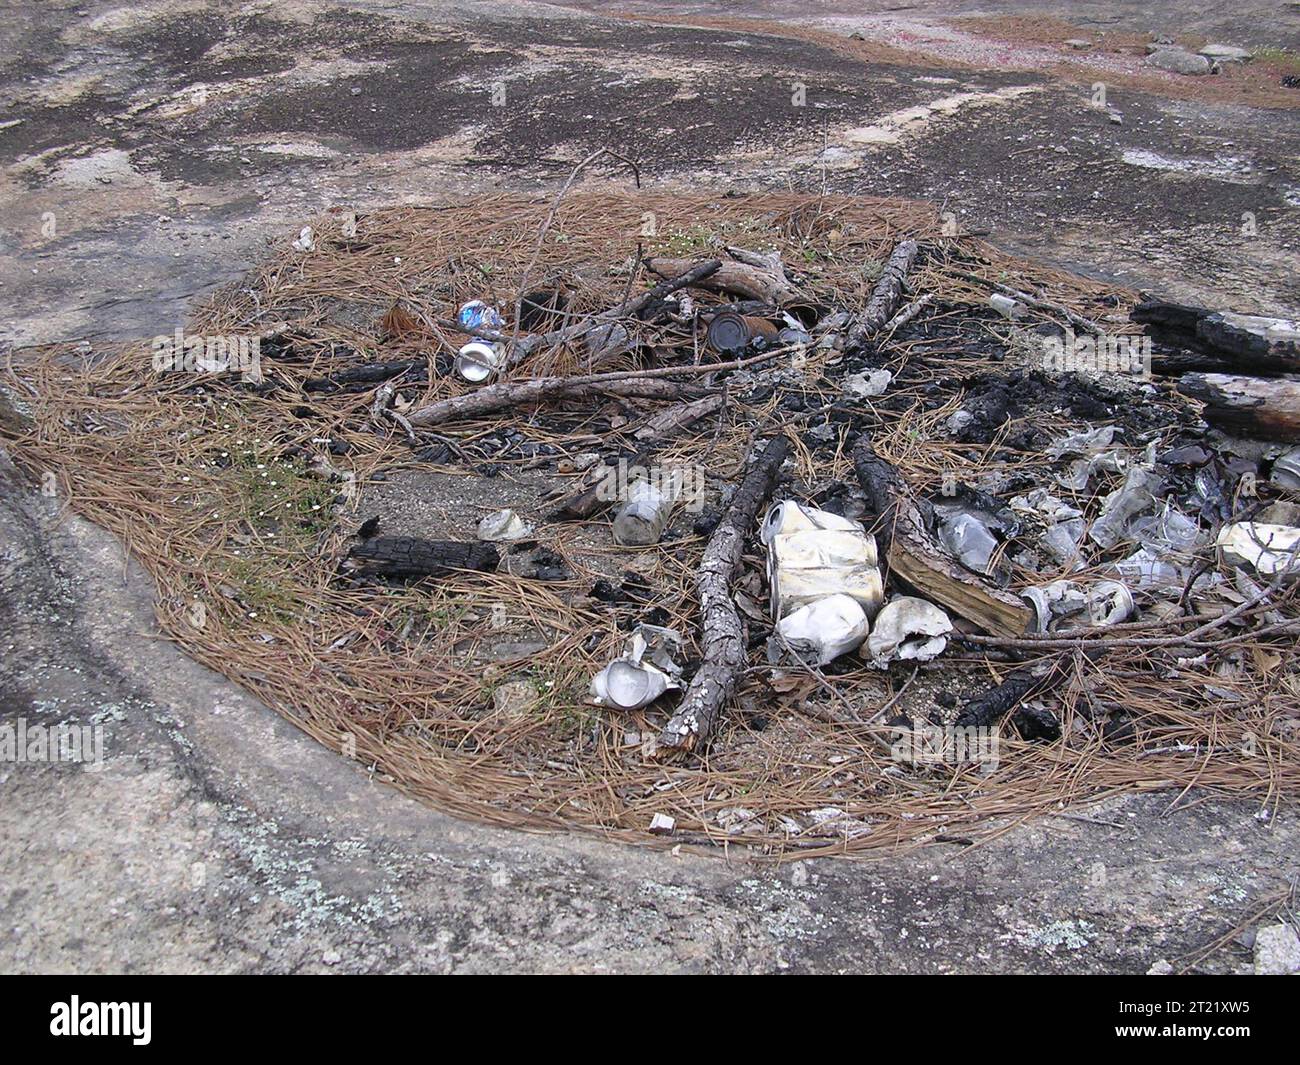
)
(911, 554)
(722, 629)
(1267, 408)
(766, 282)
(407, 556)
(886, 296)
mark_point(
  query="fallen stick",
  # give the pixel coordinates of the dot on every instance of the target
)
(722, 629)
(886, 296)
(908, 313)
(1248, 406)
(1073, 317)
(666, 422)
(641, 383)
(522, 393)
(912, 555)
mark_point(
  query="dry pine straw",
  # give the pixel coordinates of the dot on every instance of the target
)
(209, 486)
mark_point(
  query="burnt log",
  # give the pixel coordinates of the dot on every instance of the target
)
(408, 557)
(370, 373)
(1267, 408)
(993, 705)
(1245, 342)
(910, 553)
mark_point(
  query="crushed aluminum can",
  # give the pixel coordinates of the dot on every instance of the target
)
(645, 670)
(1067, 605)
(908, 628)
(640, 521)
(503, 525)
(812, 554)
(1286, 470)
(1267, 549)
(478, 315)
(478, 360)
(820, 632)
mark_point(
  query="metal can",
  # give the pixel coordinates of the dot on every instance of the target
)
(731, 332)
(641, 520)
(478, 315)
(478, 360)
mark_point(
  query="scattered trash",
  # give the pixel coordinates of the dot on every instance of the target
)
(908, 628)
(478, 315)
(819, 632)
(1122, 506)
(641, 520)
(645, 670)
(1267, 549)
(1063, 524)
(813, 554)
(478, 360)
(503, 525)
(730, 332)
(1116, 491)
(306, 240)
(1007, 307)
(967, 538)
(1066, 605)
(1146, 569)
(867, 385)
(662, 825)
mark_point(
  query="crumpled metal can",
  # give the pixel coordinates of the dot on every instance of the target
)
(645, 670)
(812, 554)
(1068, 605)
(478, 315)
(640, 521)
(478, 360)
(820, 632)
